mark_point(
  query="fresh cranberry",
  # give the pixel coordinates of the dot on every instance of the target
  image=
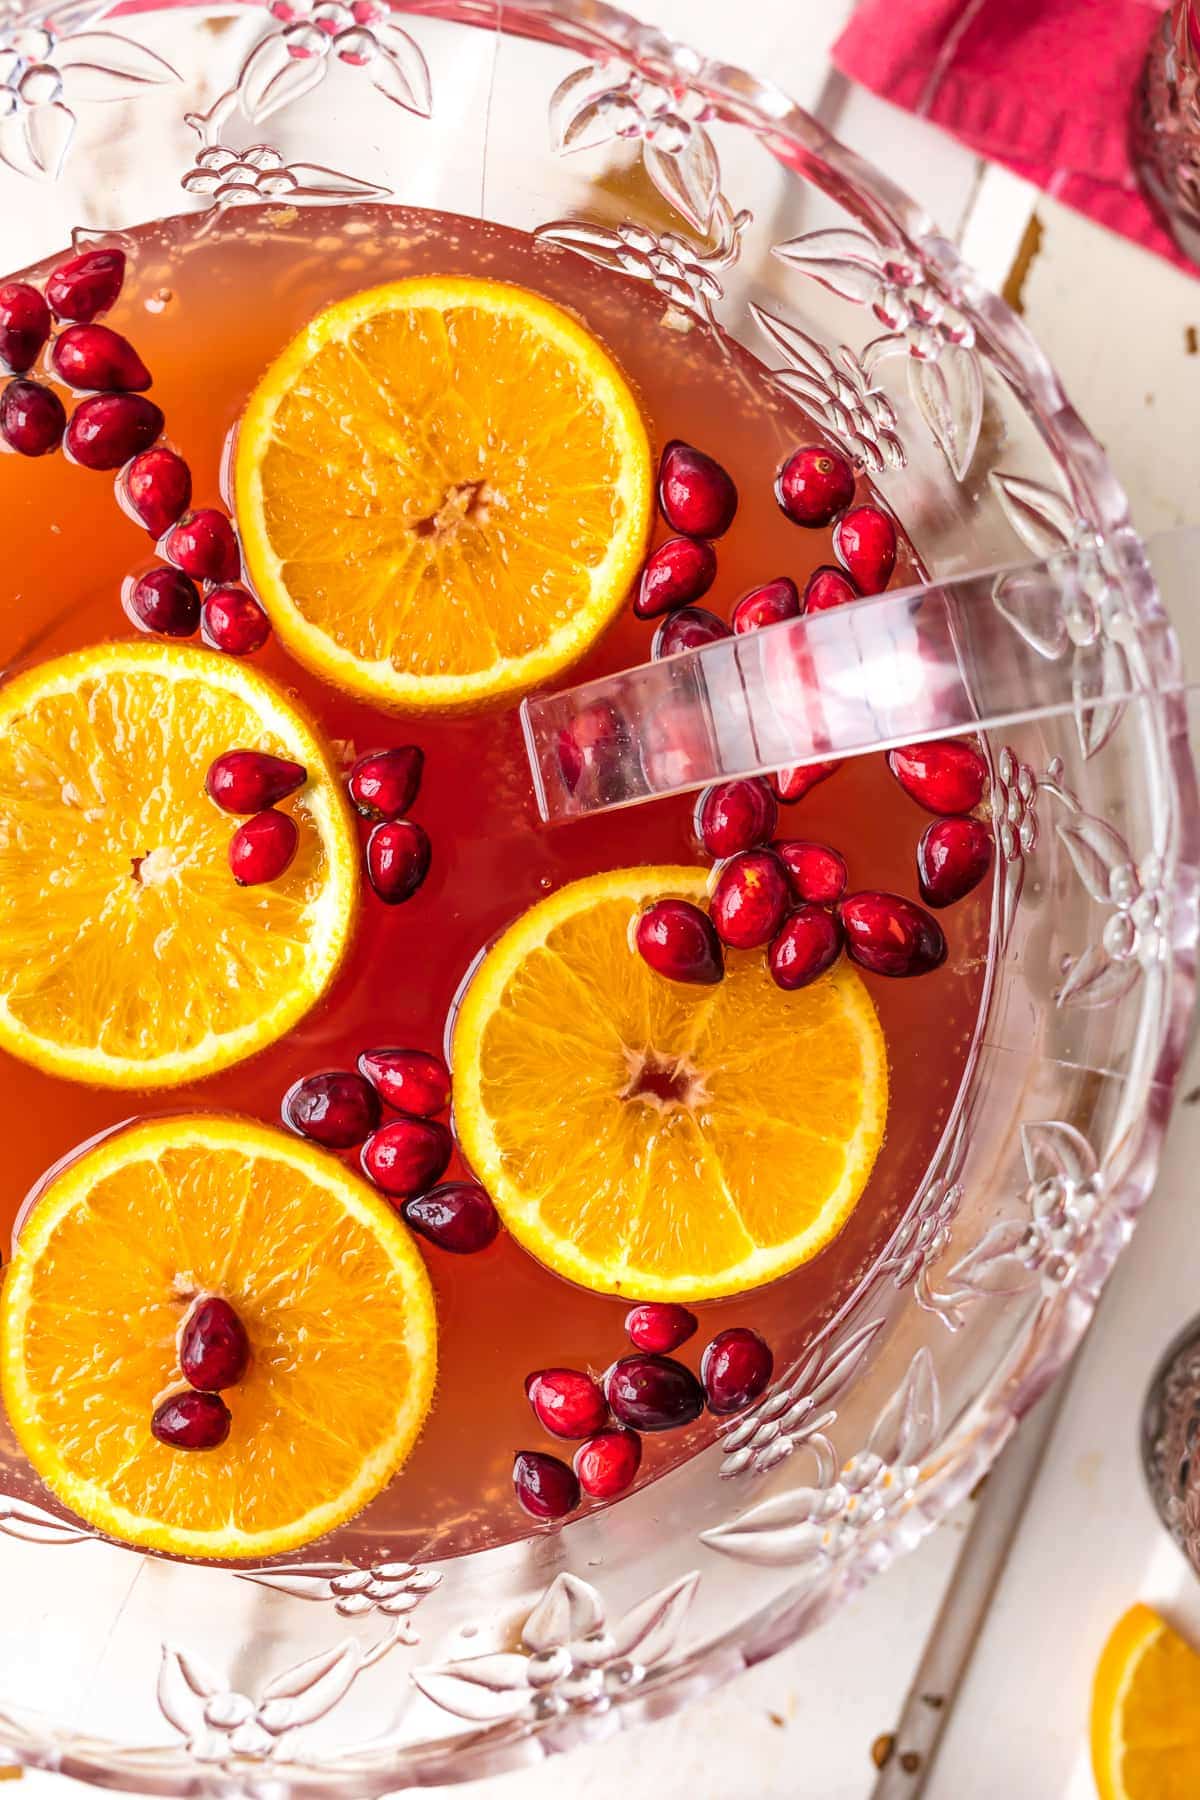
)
(398, 853)
(233, 621)
(213, 1347)
(953, 857)
(86, 285)
(457, 1216)
(384, 784)
(97, 358)
(32, 418)
(816, 872)
(590, 750)
(106, 430)
(607, 1464)
(688, 629)
(814, 485)
(735, 816)
(249, 781)
(24, 326)
(412, 1081)
(735, 1369)
(659, 1325)
(204, 545)
(337, 1108)
(653, 1393)
(890, 935)
(790, 785)
(697, 497)
(946, 776)
(191, 1421)
(680, 942)
(163, 600)
(827, 587)
(769, 604)
(544, 1485)
(750, 899)
(808, 943)
(158, 486)
(263, 847)
(677, 572)
(566, 1402)
(864, 540)
(406, 1156)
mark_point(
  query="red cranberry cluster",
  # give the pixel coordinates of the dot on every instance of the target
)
(114, 427)
(382, 786)
(649, 1390)
(789, 895)
(214, 1352)
(698, 499)
(406, 1157)
(251, 782)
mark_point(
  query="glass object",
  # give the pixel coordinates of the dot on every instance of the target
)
(1171, 1440)
(1166, 124)
(362, 1668)
(965, 655)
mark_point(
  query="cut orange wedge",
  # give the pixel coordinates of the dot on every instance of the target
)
(444, 491)
(1145, 1726)
(649, 1138)
(129, 956)
(325, 1278)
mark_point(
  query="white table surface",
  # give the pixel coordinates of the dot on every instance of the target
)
(1114, 322)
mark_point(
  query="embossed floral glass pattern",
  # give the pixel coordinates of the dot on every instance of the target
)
(711, 190)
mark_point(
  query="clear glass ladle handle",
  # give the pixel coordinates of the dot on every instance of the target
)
(1080, 632)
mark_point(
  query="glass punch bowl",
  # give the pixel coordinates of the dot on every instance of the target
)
(713, 189)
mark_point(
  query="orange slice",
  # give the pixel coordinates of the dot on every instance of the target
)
(444, 491)
(129, 956)
(648, 1138)
(1145, 1726)
(327, 1281)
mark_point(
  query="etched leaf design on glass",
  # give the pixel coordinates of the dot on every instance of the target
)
(273, 75)
(688, 177)
(907, 1428)
(839, 392)
(1031, 600)
(1041, 517)
(846, 262)
(811, 1527)
(184, 1683)
(650, 1630)
(1059, 1204)
(1097, 851)
(401, 71)
(948, 392)
(1100, 668)
(799, 1409)
(103, 65)
(1094, 980)
(36, 140)
(591, 107)
(569, 1653)
(483, 1689)
(306, 1692)
(570, 1608)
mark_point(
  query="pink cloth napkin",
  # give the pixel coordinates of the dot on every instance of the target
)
(1044, 86)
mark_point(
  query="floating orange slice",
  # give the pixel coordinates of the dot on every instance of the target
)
(649, 1138)
(129, 956)
(326, 1280)
(444, 491)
